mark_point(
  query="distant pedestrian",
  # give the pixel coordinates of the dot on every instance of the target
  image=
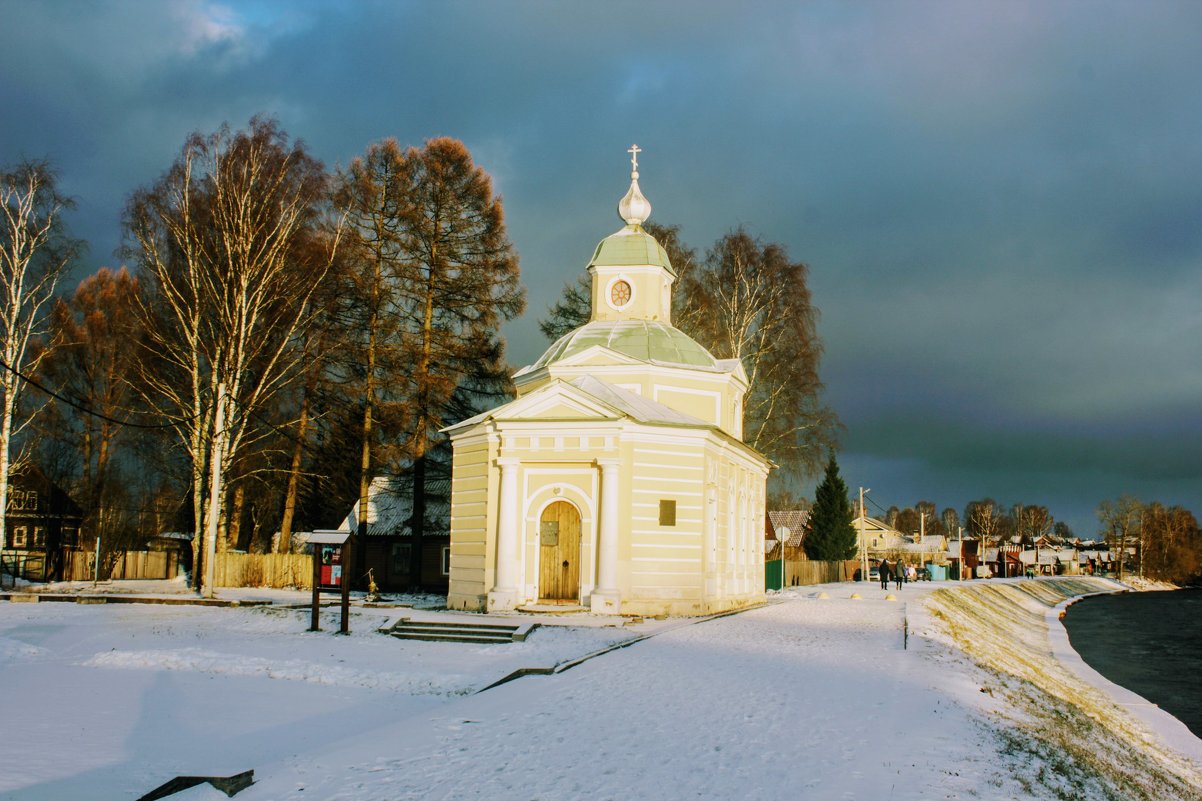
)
(911, 573)
(899, 575)
(884, 570)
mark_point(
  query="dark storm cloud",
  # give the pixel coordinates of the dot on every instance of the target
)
(999, 201)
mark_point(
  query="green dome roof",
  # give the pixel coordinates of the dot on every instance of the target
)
(645, 340)
(631, 247)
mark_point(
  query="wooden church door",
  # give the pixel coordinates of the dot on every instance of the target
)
(559, 553)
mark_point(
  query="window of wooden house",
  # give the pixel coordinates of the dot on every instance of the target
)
(70, 537)
(19, 536)
(39, 537)
(446, 560)
(400, 557)
(667, 513)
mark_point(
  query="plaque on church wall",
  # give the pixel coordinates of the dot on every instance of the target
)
(549, 532)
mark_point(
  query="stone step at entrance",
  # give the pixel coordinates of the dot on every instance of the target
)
(453, 631)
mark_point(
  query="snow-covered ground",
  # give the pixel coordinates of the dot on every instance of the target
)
(947, 692)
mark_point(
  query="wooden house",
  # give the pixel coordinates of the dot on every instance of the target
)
(388, 546)
(789, 528)
(41, 524)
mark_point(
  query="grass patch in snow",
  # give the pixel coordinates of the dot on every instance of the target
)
(1066, 739)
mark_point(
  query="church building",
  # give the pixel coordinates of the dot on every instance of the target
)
(617, 480)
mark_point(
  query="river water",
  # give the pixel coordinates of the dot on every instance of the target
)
(1148, 642)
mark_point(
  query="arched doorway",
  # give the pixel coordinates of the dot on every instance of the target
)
(559, 554)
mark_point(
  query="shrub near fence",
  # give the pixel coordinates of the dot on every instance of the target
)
(274, 570)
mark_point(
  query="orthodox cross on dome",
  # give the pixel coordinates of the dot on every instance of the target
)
(634, 208)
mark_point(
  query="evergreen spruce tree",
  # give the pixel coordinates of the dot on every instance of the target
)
(830, 536)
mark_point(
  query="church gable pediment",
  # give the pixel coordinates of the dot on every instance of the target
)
(557, 401)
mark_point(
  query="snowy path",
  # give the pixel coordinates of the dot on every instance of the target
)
(803, 699)
(807, 698)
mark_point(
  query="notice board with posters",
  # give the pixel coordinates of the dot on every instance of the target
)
(331, 558)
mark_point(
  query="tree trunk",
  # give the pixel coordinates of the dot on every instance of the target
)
(417, 523)
(359, 546)
(234, 526)
(285, 543)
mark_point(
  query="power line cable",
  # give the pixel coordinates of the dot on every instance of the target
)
(80, 407)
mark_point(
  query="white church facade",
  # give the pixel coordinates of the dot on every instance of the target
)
(617, 480)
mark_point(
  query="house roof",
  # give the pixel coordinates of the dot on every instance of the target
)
(635, 406)
(790, 525)
(874, 526)
(390, 505)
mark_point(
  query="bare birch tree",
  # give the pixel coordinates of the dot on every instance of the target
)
(984, 519)
(223, 244)
(34, 252)
(1120, 521)
(749, 301)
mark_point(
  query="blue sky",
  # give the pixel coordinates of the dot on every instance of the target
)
(1000, 202)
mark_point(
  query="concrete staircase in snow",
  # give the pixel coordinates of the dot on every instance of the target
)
(457, 631)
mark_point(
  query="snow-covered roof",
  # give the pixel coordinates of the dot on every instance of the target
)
(390, 505)
(642, 409)
(620, 401)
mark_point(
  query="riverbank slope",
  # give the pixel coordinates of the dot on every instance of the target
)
(1069, 732)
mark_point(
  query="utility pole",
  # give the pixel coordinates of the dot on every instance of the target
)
(863, 544)
(960, 561)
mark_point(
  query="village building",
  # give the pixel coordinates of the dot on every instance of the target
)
(784, 543)
(617, 480)
(41, 524)
(389, 541)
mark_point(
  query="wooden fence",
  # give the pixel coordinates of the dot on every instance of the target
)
(275, 570)
(807, 572)
(81, 565)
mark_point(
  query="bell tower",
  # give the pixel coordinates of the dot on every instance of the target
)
(632, 276)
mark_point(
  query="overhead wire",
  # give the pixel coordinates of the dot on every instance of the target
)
(80, 407)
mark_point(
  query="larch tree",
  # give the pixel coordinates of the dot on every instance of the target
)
(459, 283)
(224, 244)
(34, 252)
(830, 535)
(1171, 544)
(374, 196)
(90, 359)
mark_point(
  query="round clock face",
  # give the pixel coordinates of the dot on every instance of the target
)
(619, 293)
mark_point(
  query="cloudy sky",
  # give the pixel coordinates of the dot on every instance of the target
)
(1000, 203)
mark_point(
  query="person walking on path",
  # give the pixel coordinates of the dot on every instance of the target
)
(899, 575)
(884, 570)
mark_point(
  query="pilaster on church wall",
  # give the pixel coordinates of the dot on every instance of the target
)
(474, 483)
